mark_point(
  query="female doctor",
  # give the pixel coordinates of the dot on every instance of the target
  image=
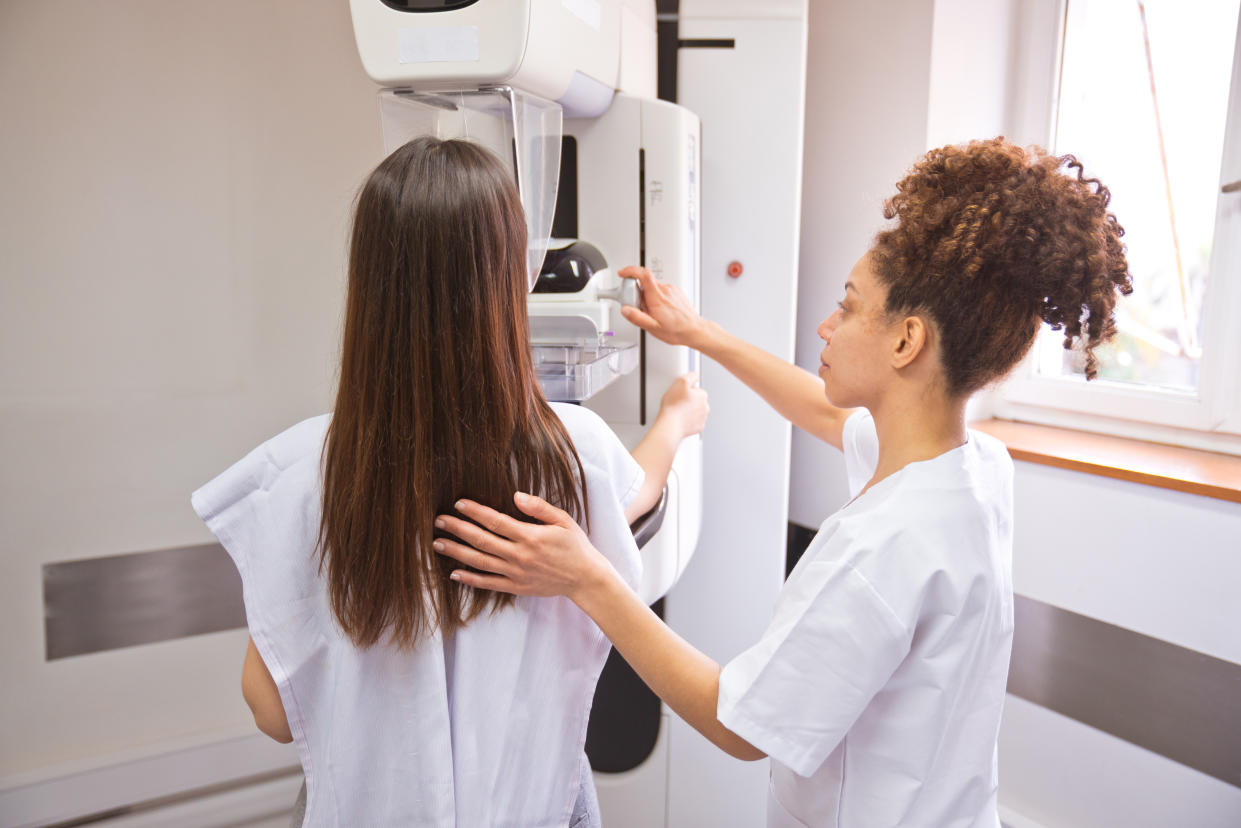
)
(878, 686)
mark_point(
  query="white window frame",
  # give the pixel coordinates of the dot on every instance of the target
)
(1209, 418)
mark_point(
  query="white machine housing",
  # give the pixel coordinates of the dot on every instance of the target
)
(568, 51)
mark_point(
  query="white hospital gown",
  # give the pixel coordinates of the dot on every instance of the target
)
(481, 728)
(878, 686)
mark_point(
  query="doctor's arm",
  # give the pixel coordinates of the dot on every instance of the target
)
(260, 692)
(556, 558)
(795, 393)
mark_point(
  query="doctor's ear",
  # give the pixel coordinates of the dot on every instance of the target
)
(912, 337)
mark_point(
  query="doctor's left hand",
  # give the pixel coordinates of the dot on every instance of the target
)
(551, 558)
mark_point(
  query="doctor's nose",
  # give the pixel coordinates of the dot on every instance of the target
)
(828, 326)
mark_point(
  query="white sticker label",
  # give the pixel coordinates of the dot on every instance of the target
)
(437, 44)
(588, 11)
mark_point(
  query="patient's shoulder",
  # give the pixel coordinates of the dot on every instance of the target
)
(299, 442)
(595, 442)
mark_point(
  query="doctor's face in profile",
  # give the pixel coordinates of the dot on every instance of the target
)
(852, 363)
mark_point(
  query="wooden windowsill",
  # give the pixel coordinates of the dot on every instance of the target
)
(1154, 464)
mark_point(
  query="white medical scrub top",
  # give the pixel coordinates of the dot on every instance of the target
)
(878, 687)
(484, 727)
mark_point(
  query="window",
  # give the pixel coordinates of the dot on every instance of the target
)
(1149, 99)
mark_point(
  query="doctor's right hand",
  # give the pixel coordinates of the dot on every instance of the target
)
(666, 311)
(550, 557)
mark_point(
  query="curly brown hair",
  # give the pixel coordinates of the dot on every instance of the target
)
(990, 239)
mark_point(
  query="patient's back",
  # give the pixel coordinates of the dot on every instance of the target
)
(482, 727)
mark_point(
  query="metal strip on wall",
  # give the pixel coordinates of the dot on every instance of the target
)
(105, 603)
(1179, 703)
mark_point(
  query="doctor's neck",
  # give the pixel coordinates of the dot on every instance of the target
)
(916, 419)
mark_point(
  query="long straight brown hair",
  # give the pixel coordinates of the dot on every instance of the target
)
(438, 397)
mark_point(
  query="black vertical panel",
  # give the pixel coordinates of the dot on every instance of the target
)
(799, 538)
(667, 33)
(668, 37)
(564, 220)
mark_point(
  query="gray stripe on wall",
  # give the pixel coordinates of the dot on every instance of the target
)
(99, 604)
(1179, 703)
(122, 600)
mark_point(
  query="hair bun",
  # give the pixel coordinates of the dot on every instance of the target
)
(989, 238)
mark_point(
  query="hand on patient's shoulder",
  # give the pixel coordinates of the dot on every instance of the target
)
(551, 557)
(686, 403)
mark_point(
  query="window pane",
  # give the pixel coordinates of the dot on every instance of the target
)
(1150, 125)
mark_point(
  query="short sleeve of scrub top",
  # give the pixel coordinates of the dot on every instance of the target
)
(861, 449)
(831, 646)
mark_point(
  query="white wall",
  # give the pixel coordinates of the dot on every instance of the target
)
(866, 115)
(969, 77)
(177, 182)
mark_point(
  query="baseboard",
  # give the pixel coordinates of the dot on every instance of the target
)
(1011, 819)
(121, 783)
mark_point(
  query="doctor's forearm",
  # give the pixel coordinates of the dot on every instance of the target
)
(796, 394)
(676, 671)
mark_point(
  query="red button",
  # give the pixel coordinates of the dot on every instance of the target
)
(734, 269)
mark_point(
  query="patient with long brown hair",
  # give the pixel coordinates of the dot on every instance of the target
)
(414, 700)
